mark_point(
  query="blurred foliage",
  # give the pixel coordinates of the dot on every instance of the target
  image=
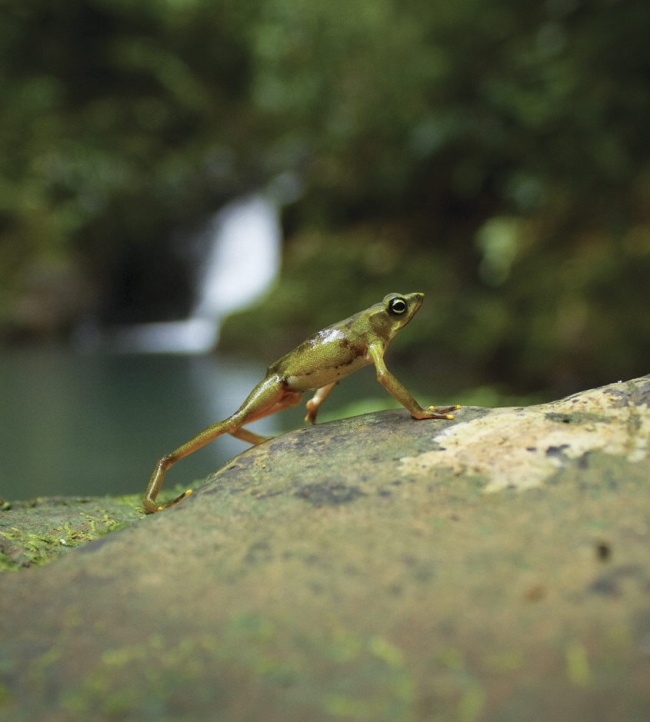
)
(492, 153)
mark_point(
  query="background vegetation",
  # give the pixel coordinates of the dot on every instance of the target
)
(492, 153)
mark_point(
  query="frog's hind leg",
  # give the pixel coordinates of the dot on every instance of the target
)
(316, 400)
(250, 437)
(290, 398)
(266, 398)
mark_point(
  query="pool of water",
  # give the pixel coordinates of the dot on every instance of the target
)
(96, 424)
(93, 424)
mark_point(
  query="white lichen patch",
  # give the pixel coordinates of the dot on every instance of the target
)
(523, 447)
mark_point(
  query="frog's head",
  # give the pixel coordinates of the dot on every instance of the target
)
(394, 312)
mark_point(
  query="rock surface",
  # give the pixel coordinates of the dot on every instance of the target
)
(495, 567)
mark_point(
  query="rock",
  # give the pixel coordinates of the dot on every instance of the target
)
(37, 531)
(377, 568)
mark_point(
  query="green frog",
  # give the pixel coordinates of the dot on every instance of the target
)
(317, 363)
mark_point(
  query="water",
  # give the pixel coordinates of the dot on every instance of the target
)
(238, 260)
(94, 424)
(75, 424)
(243, 257)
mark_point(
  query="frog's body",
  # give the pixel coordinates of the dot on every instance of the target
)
(328, 355)
(317, 363)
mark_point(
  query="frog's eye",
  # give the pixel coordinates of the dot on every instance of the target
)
(397, 306)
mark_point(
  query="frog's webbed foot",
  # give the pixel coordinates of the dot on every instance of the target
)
(151, 507)
(441, 412)
(249, 436)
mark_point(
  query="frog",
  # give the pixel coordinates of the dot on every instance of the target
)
(317, 364)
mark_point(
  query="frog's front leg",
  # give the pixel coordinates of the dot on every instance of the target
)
(399, 392)
(270, 395)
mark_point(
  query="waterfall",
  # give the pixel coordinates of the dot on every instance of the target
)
(242, 260)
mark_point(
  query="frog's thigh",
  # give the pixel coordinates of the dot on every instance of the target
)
(289, 398)
(266, 399)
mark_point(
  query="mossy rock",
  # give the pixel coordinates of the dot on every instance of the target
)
(37, 531)
(378, 568)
